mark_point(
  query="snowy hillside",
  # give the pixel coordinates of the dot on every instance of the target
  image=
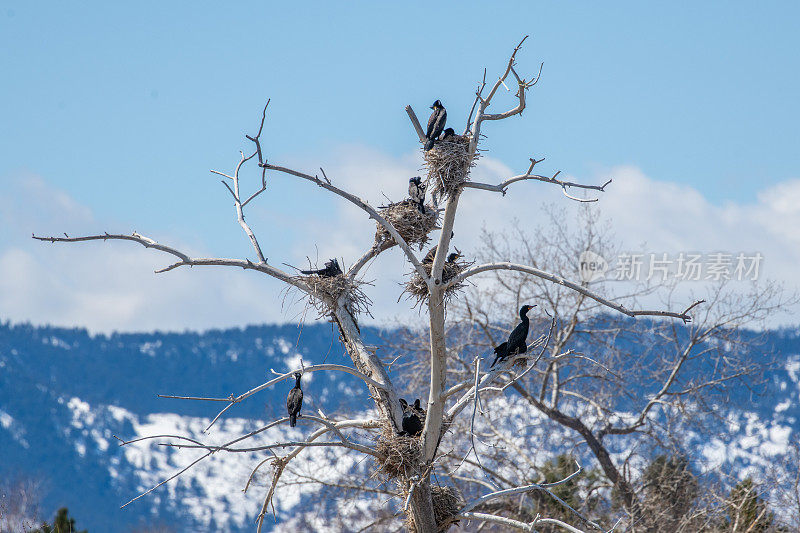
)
(64, 395)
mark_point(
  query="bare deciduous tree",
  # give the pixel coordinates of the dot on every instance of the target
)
(340, 298)
(603, 385)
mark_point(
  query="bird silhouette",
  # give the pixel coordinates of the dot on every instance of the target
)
(294, 401)
(331, 269)
(436, 124)
(517, 339)
(449, 135)
(429, 257)
(413, 418)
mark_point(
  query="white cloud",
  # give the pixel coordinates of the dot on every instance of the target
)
(108, 286)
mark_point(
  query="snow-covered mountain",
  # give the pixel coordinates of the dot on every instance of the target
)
(65, 395)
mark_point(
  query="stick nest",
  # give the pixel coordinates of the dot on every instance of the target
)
(418, 290)
(448, 165)
(399, 454)
(446, 505)
(326, 292)
(412, 225)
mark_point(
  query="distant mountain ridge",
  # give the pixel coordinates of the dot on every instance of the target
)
(65, 393)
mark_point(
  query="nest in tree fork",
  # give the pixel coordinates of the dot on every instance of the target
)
(412, 225)
(400, 455)
(446, 505)
(326, 292)
(417, 289)
(448, 164)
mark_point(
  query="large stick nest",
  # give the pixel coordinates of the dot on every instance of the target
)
(446, 505)
(326, 292)
(399, 454)
(412, 225)
(448, 164)
(417, 289)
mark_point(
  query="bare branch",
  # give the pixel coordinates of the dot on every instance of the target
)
(185, 260)
(503, 187)
(363, 205)
(502, 520)
(287, 375)
(416, 124)
(483, 103)
(570, 284)
(544, 487)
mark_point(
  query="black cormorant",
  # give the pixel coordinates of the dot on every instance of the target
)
(453, 256)
(428, 259)
(331, 269)
(448, 135)
(517, 340)
(413, 415)
(435, 124)
(416, 191)
(294, 401)
(432, 252)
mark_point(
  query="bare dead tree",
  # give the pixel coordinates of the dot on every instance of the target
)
(616, 387)
(341, 300)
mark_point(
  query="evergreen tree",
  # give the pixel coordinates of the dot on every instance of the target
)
(62, 523)
(747, 511)
(670, 491)
(578, 492)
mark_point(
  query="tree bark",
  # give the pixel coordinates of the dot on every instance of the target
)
(367, 362)
(422, 508)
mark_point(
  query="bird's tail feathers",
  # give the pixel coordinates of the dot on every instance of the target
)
(429, 144)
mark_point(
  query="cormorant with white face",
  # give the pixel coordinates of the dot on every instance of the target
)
(294, 401)
(436, 124)
(416, 192)
(517, 342)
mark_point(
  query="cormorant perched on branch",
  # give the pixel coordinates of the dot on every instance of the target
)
(416, 191)
(331, 269)
(435, 124)
(294, 401)
(517, 340)
(413, 415)
(448, 135)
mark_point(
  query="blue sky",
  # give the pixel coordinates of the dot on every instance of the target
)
(124, 107)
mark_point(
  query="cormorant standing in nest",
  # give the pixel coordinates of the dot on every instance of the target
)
(449, 135)
(517, 340)
(413, 415)
(435, 124)
(453, 257)
(294, 401)
(416, 191)
(428, 259)
(331, 269)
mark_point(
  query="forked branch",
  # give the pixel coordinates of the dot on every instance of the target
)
(503, 187)
(185, 260)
